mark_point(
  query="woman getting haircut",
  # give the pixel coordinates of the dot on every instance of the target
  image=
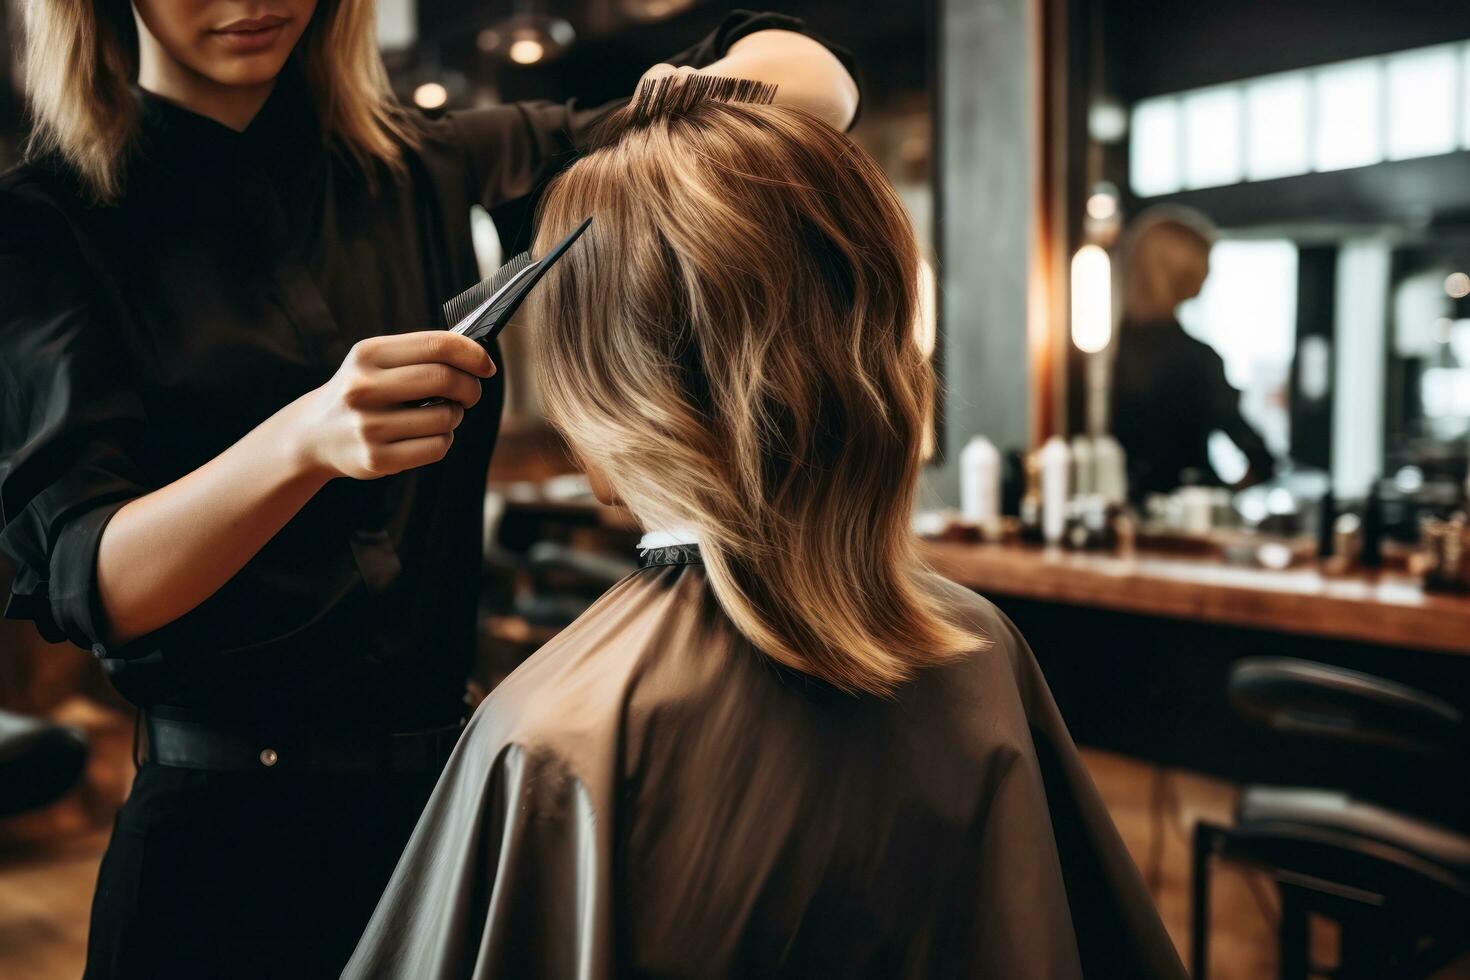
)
(781, 747)
(221, 270)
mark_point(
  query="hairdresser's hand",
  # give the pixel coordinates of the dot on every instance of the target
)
(362, 423)
(805, 73)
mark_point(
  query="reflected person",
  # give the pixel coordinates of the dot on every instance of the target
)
(1170, 392)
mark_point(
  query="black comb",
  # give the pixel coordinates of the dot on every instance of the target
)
(483, 310)
(671, 95)
(457, 309)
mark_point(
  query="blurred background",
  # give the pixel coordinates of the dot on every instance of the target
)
(1197, 284)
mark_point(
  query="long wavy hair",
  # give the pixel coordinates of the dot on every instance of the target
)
(81, 58)
(732, 345)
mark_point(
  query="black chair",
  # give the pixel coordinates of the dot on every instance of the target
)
(562, 581)
(1397, 883)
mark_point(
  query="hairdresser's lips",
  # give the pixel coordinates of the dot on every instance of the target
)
(252, 34)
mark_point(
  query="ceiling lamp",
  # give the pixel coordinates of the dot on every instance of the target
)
(429, 85)
(430, 95)
(648, 10)
(527, 38)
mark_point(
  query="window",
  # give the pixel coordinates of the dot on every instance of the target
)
(1212, 137)
(1154, 147)
(1352, 114)
(1347, 116)
(1421, 102)
(1278, 108)
(1247, 313)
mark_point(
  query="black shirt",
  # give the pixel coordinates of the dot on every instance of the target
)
(139, 341)
(1169, 393)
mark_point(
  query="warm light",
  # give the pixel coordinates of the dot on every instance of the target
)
(430, 95)
(1457, 284)
(526, 51)
(1106, 121)
(1092, 299)
(654, 9)
(487, 40)
(1102, 206)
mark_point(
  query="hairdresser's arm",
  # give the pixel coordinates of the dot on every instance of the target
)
(806, 74)
(163, 554)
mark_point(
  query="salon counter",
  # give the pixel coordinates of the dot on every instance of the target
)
(1139, 651)
(1386, 609)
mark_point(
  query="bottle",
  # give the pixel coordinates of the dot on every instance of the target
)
(1112, 470)
(1373, 526)
(1056, 467)
(1326, 518)
(1084, 472)
(1030, 509)
(980, 485)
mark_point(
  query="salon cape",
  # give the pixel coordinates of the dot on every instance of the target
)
(649, 796)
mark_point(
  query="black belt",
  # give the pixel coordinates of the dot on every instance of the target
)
(191, 745)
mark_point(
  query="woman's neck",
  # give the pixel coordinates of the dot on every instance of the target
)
(161, 75)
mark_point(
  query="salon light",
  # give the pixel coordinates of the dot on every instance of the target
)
(430, 95)
(1092, 299)
(526, 38)
(1457, 285)
(1107, 120)
(647, 10)
(1101, 205)
(526, 51)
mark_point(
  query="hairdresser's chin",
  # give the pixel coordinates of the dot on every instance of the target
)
(228, 44)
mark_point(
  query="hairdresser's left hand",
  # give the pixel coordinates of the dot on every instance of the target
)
(805, 73)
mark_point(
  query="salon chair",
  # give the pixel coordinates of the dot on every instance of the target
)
(39, 761)
(1397, 884)
(527, 597)
(564, 580)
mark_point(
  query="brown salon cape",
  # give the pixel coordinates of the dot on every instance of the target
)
(649, 796)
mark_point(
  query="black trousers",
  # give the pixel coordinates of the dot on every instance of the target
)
(247, 874)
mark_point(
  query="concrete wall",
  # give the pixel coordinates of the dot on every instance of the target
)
(986, 189)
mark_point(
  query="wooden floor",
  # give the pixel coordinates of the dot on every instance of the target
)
(48, 860)
(48, 863)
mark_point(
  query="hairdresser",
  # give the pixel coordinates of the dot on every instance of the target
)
(220, 270)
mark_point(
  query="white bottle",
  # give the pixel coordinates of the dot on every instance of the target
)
(1056, 467)
(980, 484)
(1084, 472)
(1112, 470)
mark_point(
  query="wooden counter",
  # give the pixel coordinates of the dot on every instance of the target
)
(1387, 609)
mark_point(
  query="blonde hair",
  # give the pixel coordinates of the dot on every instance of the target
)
(81, 58)
(732, 345)
(1164, 248)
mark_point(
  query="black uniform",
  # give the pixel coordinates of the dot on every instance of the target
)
(137, 342)
(1169, 393)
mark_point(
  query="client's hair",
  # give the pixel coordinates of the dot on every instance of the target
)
(732, 344)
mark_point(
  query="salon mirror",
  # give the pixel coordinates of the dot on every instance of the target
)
(1329, 175)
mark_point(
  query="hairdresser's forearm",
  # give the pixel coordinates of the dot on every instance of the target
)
(165, 553)
(804, 72)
